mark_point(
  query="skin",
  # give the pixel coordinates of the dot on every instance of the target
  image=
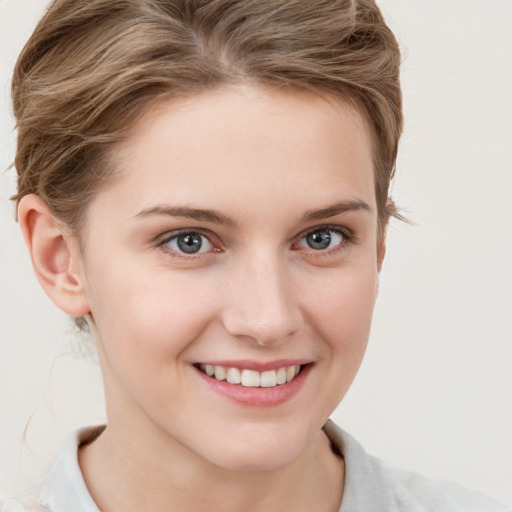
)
(257, 291)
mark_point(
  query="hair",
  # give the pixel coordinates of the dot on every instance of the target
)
(92, 68)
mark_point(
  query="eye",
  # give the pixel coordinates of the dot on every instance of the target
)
(322, 239)
(188, 242)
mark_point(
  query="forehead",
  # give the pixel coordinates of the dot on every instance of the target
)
(245, 143)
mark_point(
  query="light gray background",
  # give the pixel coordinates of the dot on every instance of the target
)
(435, 391)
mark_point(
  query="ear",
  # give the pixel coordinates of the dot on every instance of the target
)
(55, 255)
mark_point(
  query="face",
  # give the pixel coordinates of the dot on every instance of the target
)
(239, 243)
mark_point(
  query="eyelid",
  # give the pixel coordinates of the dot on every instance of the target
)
(170, 235)
(347, 234)
(348, 238)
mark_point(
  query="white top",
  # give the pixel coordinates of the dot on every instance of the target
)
(370, 485)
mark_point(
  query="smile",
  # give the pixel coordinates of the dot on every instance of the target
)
(251, 378)
(255, 384)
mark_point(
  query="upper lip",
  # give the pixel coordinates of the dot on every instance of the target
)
(259, 366)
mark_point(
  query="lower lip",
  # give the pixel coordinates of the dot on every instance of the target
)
(257, 397)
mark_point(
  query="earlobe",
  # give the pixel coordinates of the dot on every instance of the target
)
(55, 255)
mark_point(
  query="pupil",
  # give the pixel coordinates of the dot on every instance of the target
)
(319, 239)
(190, 243)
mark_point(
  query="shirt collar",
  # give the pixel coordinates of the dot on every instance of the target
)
(65, 488)
(366, 484)
(364, 488)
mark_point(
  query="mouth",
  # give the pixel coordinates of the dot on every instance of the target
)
(251, 384)
(251, 378)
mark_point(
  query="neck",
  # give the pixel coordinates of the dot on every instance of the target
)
(150, 474)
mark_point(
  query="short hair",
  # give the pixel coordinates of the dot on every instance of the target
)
(92, 68)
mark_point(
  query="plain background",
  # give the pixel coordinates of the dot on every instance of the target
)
(435, 392)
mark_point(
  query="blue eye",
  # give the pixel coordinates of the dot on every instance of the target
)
(322, 239)
(189, 242)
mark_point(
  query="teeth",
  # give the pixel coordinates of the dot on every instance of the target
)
(268, 379)
(252, 378)
(220, 373)
(233, 376)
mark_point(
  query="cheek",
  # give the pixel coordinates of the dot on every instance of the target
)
(150, 316)
(341, 312)
(345, 299)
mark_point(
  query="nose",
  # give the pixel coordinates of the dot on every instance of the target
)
(261, 302)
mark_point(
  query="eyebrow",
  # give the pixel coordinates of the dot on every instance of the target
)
(216, 217)
(335, 209)
(212, 216)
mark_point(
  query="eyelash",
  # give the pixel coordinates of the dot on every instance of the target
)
(347, 235)
(168, 237)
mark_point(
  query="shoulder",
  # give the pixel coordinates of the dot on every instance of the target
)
(417, 492)
(372, 486)
(63, 488)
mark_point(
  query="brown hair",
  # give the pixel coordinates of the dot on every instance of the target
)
(92, 68)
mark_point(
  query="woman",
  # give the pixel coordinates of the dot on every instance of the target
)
(205, 187)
